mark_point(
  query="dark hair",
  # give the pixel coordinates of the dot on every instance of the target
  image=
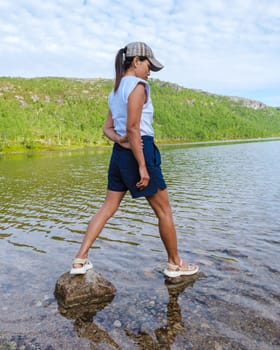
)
(122, 63)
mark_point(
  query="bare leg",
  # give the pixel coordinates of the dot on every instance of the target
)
(160, 204)
(108, 209)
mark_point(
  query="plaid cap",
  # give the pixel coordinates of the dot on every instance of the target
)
(142, 49)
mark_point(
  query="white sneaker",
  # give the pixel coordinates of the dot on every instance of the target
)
(86, 265)
(172, 270)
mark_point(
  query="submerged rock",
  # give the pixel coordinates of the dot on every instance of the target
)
(77, 290)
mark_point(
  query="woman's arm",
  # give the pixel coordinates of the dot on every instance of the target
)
(110, 132)
(135, 104)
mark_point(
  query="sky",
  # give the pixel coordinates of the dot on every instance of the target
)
(227, 47)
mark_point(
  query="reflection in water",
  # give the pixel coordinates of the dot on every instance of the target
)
(165, 336)
(84, 325)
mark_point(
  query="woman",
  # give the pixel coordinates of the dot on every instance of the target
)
(135, 160)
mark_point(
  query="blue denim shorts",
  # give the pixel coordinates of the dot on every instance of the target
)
(123, 173)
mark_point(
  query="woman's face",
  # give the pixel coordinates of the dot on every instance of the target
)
(142, 69)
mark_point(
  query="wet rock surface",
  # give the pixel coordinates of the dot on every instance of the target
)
(72, 291)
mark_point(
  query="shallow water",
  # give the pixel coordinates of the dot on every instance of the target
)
(226, 204)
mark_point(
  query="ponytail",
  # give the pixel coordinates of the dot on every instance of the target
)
(122, 63)
(119, 67)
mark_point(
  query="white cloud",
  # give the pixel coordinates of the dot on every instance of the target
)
(215, 45)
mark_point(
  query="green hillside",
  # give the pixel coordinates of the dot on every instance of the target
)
(52, 113)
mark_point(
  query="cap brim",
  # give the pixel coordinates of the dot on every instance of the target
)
(155, 64)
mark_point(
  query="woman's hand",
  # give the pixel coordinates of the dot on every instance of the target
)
(123, 141)
(144, 178)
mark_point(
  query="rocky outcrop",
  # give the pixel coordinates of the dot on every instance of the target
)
(248, 103)
(244, 102)
(89, 289)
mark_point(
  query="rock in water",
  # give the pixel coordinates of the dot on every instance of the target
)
(80, 297)
(77, 290)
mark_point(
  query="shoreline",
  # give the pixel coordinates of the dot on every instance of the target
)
(171, 143)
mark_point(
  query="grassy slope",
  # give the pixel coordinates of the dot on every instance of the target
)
(49, 113)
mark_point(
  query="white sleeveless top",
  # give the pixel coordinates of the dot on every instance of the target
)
(118, 105)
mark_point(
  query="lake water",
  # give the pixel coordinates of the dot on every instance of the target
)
(226, 204)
